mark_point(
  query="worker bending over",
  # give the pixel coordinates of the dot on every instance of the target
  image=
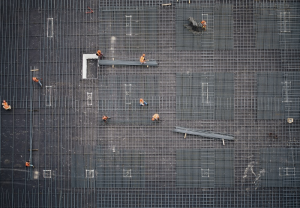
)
(142, 102)
(155, 117)
(27, 164)
(104, 118)
(142, 59)
(5, 105)
(203, 25)
(99, 54)
(37, 80)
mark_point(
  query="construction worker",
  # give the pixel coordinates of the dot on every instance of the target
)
(203, 25)
(27, 164)
(155, 117)
(142, 59)
(142, 102)
(37, 80)
(5, 105)
(104, 118)
(99, 54)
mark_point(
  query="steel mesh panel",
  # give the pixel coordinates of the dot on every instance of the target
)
(204, 96)
(204, 168)
(281, 166)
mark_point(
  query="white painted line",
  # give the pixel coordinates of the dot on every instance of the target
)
(50, 27)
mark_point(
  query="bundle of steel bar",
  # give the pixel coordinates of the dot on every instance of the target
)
(202, 133)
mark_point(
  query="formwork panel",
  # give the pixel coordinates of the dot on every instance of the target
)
(120, 97)
(278, 95)
(133, 29)
(121, 169)
(277, 25)
(204, 168)
(219, 32)
(281, 167)
(204, 96)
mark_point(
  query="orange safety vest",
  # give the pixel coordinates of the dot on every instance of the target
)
(141, 101)
(155, 117)
(142, 59)
(203, 23)
(27, 164)
(104, 118)
(35, 79)
(98, 53)
(6, 106)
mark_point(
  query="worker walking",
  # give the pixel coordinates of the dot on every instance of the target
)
(99, 54)
(37, 80)
(142, 59)
(27, 164)
(142, 102)
(104, 118)
(203, 25)
(5, 105)
(155, 117)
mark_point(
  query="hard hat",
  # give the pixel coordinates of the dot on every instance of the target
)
(143, 54)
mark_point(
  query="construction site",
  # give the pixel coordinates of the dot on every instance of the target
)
(187, 103)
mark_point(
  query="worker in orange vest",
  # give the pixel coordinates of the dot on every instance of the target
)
(155, 117)
(142, 102)
(203, 25)
(5, 105)
(99, 54)
(27, 164)
(37, 80)
(104, 118)
(142, 59)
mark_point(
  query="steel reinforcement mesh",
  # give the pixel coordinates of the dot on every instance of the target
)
(239, 77)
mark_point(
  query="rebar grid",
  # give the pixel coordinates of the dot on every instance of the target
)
(64, 118)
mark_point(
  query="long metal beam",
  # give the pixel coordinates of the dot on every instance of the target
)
(127, 63)
(202, 133)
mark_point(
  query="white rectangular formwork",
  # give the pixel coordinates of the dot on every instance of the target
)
(84, 63)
